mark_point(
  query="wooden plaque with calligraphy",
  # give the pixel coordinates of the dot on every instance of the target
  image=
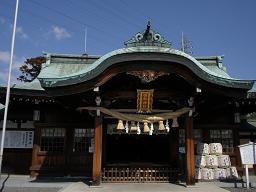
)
(144, 100)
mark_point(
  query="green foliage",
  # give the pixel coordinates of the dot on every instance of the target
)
(31, 68)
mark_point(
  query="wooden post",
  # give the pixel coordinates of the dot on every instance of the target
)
(190, 161)
(96, 169)
(35, 165)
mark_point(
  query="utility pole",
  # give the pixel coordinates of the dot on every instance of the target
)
(8, 86)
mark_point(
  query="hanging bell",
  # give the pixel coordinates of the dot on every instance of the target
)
(175, 122)
(146, 127)
(161, 126)
(133, 128)
(120, 125)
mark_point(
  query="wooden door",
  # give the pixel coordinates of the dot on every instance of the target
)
(79, 157)
(65, 152)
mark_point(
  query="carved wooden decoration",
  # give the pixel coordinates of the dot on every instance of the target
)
(144, 100)
(147, 76)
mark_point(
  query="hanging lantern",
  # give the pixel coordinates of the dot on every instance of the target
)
(161, 126)
(167, 127)
(133, 127)
(120, 125)
(175, 122)
(146, 128)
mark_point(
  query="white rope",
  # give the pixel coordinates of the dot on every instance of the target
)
(139, 117)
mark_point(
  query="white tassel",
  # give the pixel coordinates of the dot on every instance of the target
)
(138, 128)
(126, 127)
(167, 126)
(151, 129)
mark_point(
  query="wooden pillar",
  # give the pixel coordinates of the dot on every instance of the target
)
(190, 159)
(96, 168)
(34, 168)
(35, 164)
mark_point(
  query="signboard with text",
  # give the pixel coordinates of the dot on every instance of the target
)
(248, 153)
(18, 139)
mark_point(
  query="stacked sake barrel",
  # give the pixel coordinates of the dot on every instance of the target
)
(211, 164)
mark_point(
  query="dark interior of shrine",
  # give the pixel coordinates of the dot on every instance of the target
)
(137, 149)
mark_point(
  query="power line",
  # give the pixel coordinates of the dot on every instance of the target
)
(80, 30)
(94, 14)
(120, 17)
(67, 16)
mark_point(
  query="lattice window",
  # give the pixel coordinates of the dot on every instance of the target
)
(53, 139)
(197, 134)
(181, 137)
(82, 139)
(225, 137)
(182, 140)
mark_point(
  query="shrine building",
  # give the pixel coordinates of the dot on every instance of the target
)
(134, 114)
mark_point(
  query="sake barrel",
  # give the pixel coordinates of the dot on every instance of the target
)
(200, 161)
(215, 148)
(198, 173)
(224, 161)
(220, 173)
(207, 174)
(202, 149)
(232, 173)
(211, 161)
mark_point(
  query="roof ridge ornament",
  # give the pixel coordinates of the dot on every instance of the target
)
(148, 37)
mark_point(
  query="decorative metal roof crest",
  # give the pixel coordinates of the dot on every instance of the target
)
(147, 38)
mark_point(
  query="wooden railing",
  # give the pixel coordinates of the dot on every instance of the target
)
(139, 175)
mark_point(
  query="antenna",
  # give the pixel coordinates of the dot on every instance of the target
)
(186, 44)
(85, 40)
(182, 42)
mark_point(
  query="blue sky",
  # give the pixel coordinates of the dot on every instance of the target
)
(219, 27)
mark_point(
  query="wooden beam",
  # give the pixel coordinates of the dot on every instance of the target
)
(164, 94)
(190, 159)
(96, 168)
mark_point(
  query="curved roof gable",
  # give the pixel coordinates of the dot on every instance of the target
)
(160, 54)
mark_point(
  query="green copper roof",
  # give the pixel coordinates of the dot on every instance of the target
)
(215, 64)
(1, 106)
(34, 85)
(52, 76)
(61, 65)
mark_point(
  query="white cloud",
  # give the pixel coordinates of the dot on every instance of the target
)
(22, 34)
(4, 56)
(4, 66)
(60, 33)
(2, 20)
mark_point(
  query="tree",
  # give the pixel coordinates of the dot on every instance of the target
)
(31, 68)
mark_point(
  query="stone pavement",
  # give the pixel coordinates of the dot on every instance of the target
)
(23, 183)
(142, 187)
